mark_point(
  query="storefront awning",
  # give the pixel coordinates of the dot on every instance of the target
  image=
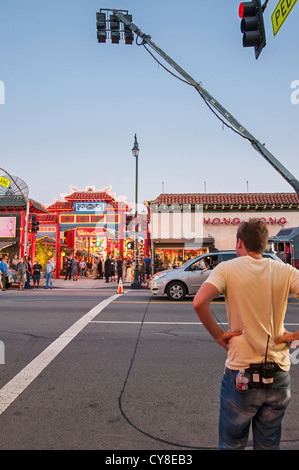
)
(6, 244)
(184, 244)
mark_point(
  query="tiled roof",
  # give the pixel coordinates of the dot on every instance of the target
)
(231, 200)
(89, 196)
(16, 203)
(61, 206)
(69, 206)
(48, 218)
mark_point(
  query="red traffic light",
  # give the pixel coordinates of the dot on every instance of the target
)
(248, 8)
(252, 25)
(241, 10)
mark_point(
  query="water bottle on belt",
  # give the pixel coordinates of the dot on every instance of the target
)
(242, 380)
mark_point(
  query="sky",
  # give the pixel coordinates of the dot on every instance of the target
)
(72, 106)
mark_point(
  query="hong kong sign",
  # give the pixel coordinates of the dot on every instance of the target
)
(237, 221)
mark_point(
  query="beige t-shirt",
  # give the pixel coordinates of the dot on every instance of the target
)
(256, 293)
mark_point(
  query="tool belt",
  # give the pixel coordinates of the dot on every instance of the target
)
(262, 375)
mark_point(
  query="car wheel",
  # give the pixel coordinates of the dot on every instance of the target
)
(176, 291)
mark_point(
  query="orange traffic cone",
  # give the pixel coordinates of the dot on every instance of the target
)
(120, 289)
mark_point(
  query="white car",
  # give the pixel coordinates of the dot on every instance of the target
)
(187, 279)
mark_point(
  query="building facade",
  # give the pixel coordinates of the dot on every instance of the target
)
(185, 225)
(91, 223)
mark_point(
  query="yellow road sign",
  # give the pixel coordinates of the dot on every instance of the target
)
(4, 181)
(280, 13)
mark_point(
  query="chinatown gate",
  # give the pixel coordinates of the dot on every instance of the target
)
(92, 223)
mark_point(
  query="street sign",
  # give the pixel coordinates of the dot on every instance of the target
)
(4, 182)
(280, 13)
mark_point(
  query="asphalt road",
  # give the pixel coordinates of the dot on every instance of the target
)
(88, 369)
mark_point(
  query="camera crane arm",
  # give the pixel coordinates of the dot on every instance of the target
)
(212, 102)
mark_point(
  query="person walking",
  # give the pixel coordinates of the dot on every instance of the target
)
(21, 273)
(100, 269)
(82, 267)
(142, 270)
(69, 262)
(28, 272)
(49, 270)
(148, 266)
(94, 268)
(15, 262)
(3, 273)
(113, 270)
(107, 269)
(74, 271)
(128, 270)
(256, 291)
(119, 268)
(36, 272)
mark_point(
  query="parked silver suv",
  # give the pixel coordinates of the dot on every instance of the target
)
(187, 279)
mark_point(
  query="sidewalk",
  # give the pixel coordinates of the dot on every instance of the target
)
(84, 283)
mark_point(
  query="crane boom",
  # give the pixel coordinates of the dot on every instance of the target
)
(211, 101)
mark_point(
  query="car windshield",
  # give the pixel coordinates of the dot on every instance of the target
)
(206, 262)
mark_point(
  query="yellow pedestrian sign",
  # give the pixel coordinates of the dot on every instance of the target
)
(280, 14)
(4, 182)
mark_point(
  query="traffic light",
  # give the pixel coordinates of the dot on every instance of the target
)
(101, 27)
(115, 29)
(34, 223)
(252, 25)
(128, 34)
(129, 220)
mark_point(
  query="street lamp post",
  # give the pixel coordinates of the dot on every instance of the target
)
(136, 284)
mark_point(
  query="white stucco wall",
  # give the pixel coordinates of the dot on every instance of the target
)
(222, 226)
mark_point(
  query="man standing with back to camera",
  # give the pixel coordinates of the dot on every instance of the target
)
(256, 291)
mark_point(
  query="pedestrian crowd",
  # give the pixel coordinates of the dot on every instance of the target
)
(111, 270)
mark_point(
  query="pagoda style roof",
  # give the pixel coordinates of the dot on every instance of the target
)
(87, 195)
(16, 203)
(47, 218)
(231, 200)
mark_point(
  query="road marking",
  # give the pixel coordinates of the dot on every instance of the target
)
(117, 322)
(147, 301)
(123, 322)
(20, 382)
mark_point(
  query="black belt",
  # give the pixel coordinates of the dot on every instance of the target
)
(276, 367)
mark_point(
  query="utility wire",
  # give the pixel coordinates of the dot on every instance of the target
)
(198, 90)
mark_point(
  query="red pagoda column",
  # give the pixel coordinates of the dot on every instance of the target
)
(32, 248)
(57, 249)
(146, 240)
(121, 232)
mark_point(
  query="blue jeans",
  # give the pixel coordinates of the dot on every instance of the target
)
(48, 279)
(265, 408)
